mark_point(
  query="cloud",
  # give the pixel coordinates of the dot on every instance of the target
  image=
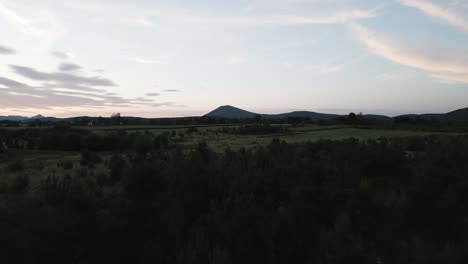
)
(168, 104)
(152, 94)
(450, 17)
(285, 4)
(69, 67)
(41, 24)
(21, 23)
(15, 94)
(6, 50)
(20, 94)
(454, 78)
(189, 17)
(331, 66)
(339, 17)
(59, 77)
(9, 83)
(141, 99)
(172, 90)
(72, 86)
(62, 55)
(449, 68)
(144, 60)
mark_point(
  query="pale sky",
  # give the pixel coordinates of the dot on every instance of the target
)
(156, 58)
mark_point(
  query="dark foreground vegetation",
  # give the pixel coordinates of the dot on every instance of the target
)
(350, 201)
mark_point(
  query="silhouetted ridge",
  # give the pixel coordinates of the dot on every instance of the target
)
(228, 111)
(231, 112)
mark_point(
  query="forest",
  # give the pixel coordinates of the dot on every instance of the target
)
(147, 198)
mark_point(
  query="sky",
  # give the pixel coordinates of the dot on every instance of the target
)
(163, 58)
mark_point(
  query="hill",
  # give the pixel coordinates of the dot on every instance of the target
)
(228, 111)
(13, 118)
(378, 117)
(460, 115)
(26, 119)
(231, 112)
(457, 116)
(303, 114)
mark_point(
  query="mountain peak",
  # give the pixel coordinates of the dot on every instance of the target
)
(37, 117)
(229, 111)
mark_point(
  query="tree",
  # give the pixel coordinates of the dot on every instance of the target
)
(116, 119)
(258, 118)
(352, 117)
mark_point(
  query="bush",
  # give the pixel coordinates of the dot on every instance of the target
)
(117, 166)
(89, 158)
(19, 184)
(16, 166)
(66, 164)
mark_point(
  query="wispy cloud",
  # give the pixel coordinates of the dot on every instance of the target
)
(24, 25)
(455, 78)
(43, 26)
(445, 14)
(144, 60)
(59, 77)
(62, 55)
(195, 18)
(333, 65)
(172, 90)
(338, 17)
(453, 68)
(6, 50)
(15, 95)
(65, 67)
(152, 94)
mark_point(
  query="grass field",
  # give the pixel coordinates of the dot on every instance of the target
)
(46, 162)
(221, 141)
(37, 165)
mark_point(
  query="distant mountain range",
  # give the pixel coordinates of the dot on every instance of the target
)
(21, 118)
(228, 111)
(231, 112)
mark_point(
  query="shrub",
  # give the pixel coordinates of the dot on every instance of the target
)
(19, 184)
(16, 166)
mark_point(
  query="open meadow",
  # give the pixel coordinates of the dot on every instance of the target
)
(40, 163)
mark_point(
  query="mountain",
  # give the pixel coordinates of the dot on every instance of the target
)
(378, 117)
(37, 117)
(13, 118)
(26, 119)
(303, 114)
(228, 111)
(457, 116)
(43, 119)
(460, 115)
